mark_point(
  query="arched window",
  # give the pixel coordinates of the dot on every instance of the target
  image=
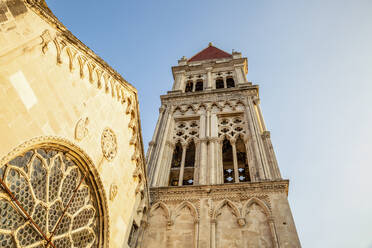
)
(43, 179)
(188, 173)
(189, 86)
(219, 83)
(228, 163)
(199, 86)
(243, 168)
(230, 82)
(176, 165)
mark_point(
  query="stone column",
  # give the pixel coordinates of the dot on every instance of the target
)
(213, 233)
(152, 145)
(196, 233)
(209, 79)
(203, 162)
(220, 178)
(167, 165)
(197, 162)
(259, 113)
(235, 160)
(275, 173)
(251, 165)
(255, 135)
(203, 151)
(164, 133)
(211, 162)
(180, 180)
(273, 232)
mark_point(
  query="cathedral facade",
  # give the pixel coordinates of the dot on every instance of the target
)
(72, 170)
(72, 166)
(214, 179)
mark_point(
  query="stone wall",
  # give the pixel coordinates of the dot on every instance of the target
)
(218, 216)
(55, 89)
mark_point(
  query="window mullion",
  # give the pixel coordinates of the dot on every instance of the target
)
(180, 180)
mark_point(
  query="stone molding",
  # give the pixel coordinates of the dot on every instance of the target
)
(219, 191)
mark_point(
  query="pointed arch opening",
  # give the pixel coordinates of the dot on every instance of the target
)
(219, 83)
(228, 163)
(230, 82)
(243, 168)
(188, 175)
(176, 165)
(189, 86)
(199, 86)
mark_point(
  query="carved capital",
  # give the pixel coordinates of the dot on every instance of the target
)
(241, 222)
(162, 109)
(256, 100)
(170, 144)
(214, 139)
(265, 134)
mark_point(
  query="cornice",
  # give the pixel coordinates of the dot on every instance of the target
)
(252, 90)
(219, 190)
(215, 63)
(41, 9)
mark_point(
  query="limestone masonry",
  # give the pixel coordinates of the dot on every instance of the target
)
(72, 168)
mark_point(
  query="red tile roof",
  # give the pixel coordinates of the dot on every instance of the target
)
(210, 52)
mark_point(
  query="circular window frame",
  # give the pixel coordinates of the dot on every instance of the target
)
(84, 163)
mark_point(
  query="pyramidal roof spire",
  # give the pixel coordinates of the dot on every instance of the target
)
(211, 52)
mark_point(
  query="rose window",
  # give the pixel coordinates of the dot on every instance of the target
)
(46, 200)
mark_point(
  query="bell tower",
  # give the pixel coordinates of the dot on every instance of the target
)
(214, 178)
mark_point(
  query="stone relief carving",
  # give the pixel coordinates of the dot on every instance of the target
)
(108, 144)
(113, 191)
(81, 129)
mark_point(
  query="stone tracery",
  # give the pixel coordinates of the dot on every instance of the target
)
(48, 199)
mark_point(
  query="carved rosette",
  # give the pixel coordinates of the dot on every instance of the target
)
(108, 144)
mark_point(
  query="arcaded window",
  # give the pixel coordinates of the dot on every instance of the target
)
(243, 168)
(189, 86)
(220, 83)
(230, 82)
(199, 86)
(188, 173)
(57, 202)
(228, 163)
(176, 165)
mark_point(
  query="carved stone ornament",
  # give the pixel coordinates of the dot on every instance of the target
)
(241, 222)
(81, 129)
(113, 191)
(108, 144)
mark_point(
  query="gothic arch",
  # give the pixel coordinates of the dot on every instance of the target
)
(258, 202)
(227, 103)
(193, 210)
(47, 150)
(163, 206)
(220, 205)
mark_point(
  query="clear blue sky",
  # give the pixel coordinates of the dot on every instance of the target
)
(313, 62)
